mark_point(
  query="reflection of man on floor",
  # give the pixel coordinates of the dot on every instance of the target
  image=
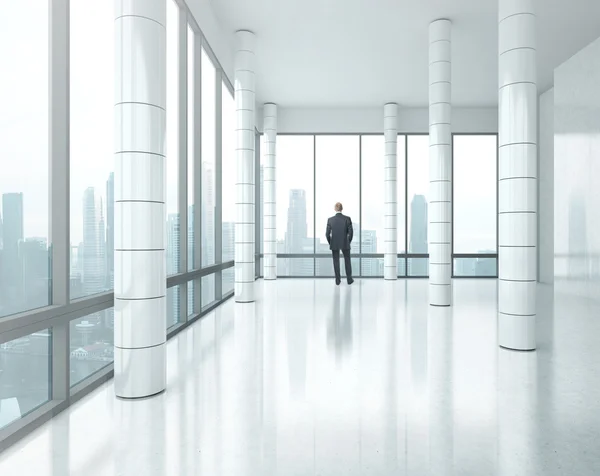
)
(339, 328)
(339, 236)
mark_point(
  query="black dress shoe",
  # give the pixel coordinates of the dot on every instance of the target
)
(338, 281)
(350, 281)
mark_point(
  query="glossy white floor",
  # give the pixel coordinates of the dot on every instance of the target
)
(315, 379)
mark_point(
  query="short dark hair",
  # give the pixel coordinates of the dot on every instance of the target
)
(338, 207)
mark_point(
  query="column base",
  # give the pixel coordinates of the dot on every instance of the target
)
(140, 372)
(516, 332)
(440, 295)
(244, 292)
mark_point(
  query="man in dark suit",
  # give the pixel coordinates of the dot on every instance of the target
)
(339, 236)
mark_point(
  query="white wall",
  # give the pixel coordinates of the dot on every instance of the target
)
(577, 174)
(546, 188)
(370, 120)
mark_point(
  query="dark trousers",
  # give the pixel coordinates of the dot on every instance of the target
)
(347, 263)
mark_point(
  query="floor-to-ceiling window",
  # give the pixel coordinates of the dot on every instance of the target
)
(475, 205)
(207, 174)
(349, 168)
(372, 199)
(417, 147)
(24, 211)
(229, 180)
(295, 204)
(91, 149)
(192, 172)
(57, 197)
(172, 160)
(337, 177)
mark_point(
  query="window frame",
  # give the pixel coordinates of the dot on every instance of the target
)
(62, 310)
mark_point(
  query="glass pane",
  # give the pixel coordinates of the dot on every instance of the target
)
(401, 267)
(371, 267)
(92, 344)
(208, 102)
(401, 195)
(418, 188)
(173, 306)
(190, 287)
(418, 267)
(229, 174)
(325, 266)
(24, 268)
(208, 289)
(475, 266)
(295, 267)
(258, 155)
(25, 375)
(228, 277)
(475, 188)
(190, 147)
(92, 152)
(173, 232)
(337, 180)
(372, 189)
(295, 199)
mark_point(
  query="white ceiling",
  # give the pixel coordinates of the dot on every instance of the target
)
(363, 53)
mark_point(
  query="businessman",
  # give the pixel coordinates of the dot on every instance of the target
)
(339, 236)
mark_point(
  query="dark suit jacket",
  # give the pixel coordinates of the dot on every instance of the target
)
(339, 232)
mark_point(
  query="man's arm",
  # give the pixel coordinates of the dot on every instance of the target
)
(350, 230)
(328, 232)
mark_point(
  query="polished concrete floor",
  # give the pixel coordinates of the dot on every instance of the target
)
(315, 379)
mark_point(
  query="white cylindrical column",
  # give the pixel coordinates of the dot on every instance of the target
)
(140, 264)
(270, 197)
(390, 132)
(440, 164)
(245, 221)
(517, 175)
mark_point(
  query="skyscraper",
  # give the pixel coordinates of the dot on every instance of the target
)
(191, 253)
(173, 254)
(208, 230)
(418, 235)
(370, 266)
(93, 276)
(12, 235)
(110, 231)
(296, 235)
(33, 254)
(297, 230)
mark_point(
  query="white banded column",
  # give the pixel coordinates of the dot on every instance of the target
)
(244, 227)
(390, 132)
(270, 187)
(517, 177)
(440, 164)
(140, 264)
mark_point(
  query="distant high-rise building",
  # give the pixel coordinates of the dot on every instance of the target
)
(173, 235)
(191, 253)
(370, 266)
(173, 257)
(297, 229)
(93, 265)
(296, 236)
(110, 231)
(418, 235)
(33, 254)
(228, 241)
(208, 230)
(12, 235)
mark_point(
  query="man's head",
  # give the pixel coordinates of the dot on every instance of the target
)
(338, 207)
